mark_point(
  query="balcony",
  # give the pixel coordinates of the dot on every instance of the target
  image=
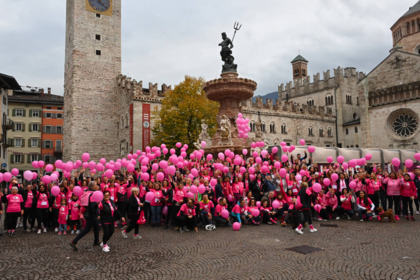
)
(8, 125)
(58, 152)
(8, 143)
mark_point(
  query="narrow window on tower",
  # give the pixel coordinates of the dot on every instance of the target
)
(98, 52)
(98, 15)
(98, 37)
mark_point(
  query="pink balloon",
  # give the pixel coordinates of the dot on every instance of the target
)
(15, 171)
(102, 160)
(242, 170)
(230, 198)
(203, 144)
(412, 176)
(258, 203)
(201, 189)
(55, 190)
(145, 176)
(352, 163)
(41, 164)
(285, 149)
(213, 182)
(316, 187)
(283, 172)
(97, 196)
(77, 191)
(417, 156)
(130, 167)
(221, 156)
(194, 172)
(368, 156)
(193, 189)
(327, 182)
(27, 175)
(255, 212)
(258, 160)
(34, 176)
(225, 213)
(330, 159)
(345, 165)
(190, 195)
(302, 142)
(150, 196)
(171, 170)
(251, 170)
(155, 166)
(236, 226)
(284, 158)
(49, 167)
(237, 161)
(277, 164)
(209, 157)
(334, 177)
(298, 177)
(7, 176)
(274, 150)
(35, 164)
(53, 177)
(85, 157)
(253, 145)
(311, 149)
(396, 162)
(340, 159)
(409, 163)
(160, 176)
(317, 208)
(265, 169)
(352, 184)
(264, 153)
(164, 151)
(276, 204)
(84, 165)
(92, 164)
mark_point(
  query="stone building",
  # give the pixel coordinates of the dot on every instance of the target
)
(109, 114)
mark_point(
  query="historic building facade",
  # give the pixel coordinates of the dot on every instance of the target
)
(109, 114)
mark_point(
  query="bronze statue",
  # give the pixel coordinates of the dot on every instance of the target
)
(226, 52)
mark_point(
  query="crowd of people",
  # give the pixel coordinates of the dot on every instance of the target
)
(230, 190)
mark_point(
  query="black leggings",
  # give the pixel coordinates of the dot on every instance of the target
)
(168, 217)
(42, 217)
(54, 222)
(394, 202)
(174, 219)
(147, 212)
(407, 204)
(307, 217)
(12, 220)
(90, 222)
(266, 216)
(187, 222)
(108, 232)
(417, 203)
(133, 225)
(28, 214)
(375, 200)
(221, 221)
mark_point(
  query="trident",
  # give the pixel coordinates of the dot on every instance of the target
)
(236, 26)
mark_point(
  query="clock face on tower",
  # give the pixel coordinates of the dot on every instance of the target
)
(99, 6)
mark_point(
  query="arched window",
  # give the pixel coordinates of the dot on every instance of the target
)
(310, 132)
(263, 127)
(272, 128)
(122, 122)
(296, 72)
(283, 129)
(321, 132)
(330, 132)
(127, 123)
(356, 130)
(252, 127)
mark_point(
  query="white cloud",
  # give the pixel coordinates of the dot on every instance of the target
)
(164, 40)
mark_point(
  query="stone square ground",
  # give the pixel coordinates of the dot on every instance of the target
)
(352, 250)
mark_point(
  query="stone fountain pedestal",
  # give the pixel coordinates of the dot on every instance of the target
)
(229, 90)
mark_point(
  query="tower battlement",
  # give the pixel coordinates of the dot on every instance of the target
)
(137, 91)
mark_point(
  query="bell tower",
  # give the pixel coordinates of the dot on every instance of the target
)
(92, 64)
(300, 67)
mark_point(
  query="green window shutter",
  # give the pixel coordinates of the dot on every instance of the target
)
(23, 143)
(30, 127)
(14, 112)
(13, 142)
(12, 159)
(28, 159)
(24, 112)
(39, 143)
(29, 143)
(30, 113)
(14, 127)
(23, 126)
(22, 159)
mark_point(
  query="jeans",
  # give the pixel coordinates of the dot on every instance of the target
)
(156, 214)
(364, 212)
(62, 227)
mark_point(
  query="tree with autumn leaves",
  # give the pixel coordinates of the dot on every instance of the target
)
(182, 111)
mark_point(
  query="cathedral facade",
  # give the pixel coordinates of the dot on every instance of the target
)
(109, 114)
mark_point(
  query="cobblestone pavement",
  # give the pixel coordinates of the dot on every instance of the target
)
(352, 250)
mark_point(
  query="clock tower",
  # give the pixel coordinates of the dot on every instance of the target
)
(92, 64)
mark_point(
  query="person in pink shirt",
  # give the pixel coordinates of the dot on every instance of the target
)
(222, 205)
(207, 212)
(187, 217)
(14, 209)
(393, 192)
(249, 213)
(238, 211)
(63, 213)
(322, 200)
(56, 205)
(29, 208)
(156, 204)
(365, 207)
(332, 202)
(74, 214)
(346, 206)
(42, 206)
(237, 189)
(267, 212)
(373, 190)
(408, 192)
(178, 200)
(227, 188)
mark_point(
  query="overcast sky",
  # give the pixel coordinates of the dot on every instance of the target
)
(162, 41)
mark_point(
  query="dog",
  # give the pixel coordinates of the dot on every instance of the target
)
(389, 213)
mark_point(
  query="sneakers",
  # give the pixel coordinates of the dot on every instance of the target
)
(39, 231)
(124, 234)
(348, 218)
(338, 218)
(181, 230)
(77, 231)
(210, 227)
(102, 245)
(299, 230)
(64, 232)
(73, 245)
(72, 231)
(28, 230)
(270, 222)
(56, 229)
(417, 212)
(313, 230)
(105, 249)
(136, 236)
(379, 218)
(412, 218)
(45, 230)
(59, 233)
(186, 229)
(283, 224)
(397, 218)
(361, 220)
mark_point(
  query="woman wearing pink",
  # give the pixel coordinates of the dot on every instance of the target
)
(408, 191)
(14, 209)
(74, 214)
(187, 217)
(393, 192)
(42, 206)
(156, 204)
(365, 207)
(63, 212)
(222, 205)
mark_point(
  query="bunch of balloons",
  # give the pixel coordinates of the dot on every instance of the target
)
(243, 126)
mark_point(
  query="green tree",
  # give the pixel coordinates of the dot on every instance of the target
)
(182, 111)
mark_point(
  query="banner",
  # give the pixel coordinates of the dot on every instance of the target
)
(146, 126)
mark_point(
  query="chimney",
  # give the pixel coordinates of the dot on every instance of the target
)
(49, 90)
(42, 91)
